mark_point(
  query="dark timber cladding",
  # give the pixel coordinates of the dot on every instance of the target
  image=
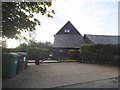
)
(68, 26)
(68, 37)
(67, 40)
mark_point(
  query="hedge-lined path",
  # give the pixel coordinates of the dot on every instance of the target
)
(48, 75)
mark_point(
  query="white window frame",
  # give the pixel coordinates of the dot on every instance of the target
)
(66, 30)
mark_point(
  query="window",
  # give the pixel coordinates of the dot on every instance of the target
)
(66, 30)
(61, 50)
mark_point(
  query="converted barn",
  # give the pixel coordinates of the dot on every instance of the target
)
(67, 41)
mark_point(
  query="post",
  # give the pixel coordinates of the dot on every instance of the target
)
(36, 57)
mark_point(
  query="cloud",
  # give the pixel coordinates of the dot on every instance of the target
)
(88, 16)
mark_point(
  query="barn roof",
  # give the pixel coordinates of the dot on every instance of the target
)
(103, 39)
(68, 41)
(68, 26)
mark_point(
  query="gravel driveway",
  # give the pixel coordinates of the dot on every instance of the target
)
(49, 75)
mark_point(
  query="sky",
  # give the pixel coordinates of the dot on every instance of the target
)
(97, 17)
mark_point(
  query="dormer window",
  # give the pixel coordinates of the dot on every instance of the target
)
(66, 30)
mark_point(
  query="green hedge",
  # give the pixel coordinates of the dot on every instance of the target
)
(100, 53)
(40, 53)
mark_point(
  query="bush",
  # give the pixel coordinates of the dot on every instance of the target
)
(34, 50)
(100, 53)
(40, 53)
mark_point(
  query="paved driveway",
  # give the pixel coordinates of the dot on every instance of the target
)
(49, 75)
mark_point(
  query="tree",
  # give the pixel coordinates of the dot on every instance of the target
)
(19, 16)
(4, 43)
(36, 49)
(31, 38)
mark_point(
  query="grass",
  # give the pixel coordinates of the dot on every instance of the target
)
(70, 60)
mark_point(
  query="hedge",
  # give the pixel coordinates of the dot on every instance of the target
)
(100, 53)
(32, 53)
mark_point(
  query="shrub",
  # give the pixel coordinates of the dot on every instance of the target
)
(100, 53)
